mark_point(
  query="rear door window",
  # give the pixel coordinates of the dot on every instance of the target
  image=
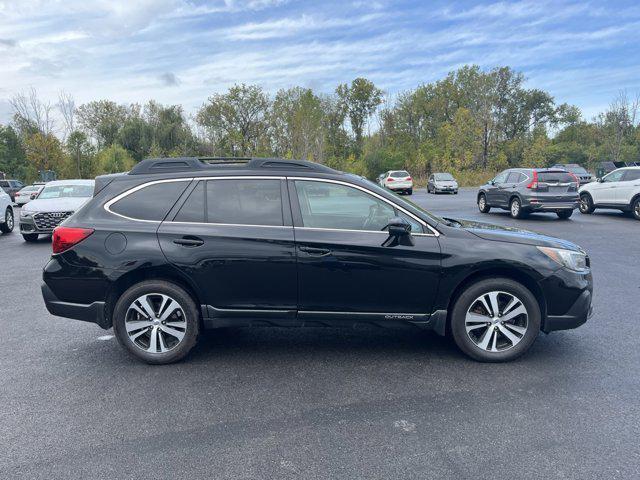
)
(193, 208)
(244, 202)
(152, 202)
(631, 175)
(514, 177)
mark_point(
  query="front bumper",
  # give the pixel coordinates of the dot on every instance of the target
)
(93, 312)
(445, 189)
(568, 296)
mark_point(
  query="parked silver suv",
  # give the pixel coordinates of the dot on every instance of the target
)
(526, 190)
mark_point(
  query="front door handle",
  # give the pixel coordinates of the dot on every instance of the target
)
(316, 252)
(189, 241)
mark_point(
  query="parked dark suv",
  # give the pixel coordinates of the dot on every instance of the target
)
(526, 190)
(178, 245)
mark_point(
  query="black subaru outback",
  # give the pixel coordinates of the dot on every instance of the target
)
(178, 245)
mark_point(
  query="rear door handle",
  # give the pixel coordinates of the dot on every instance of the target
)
(316, 252)
(189, 241)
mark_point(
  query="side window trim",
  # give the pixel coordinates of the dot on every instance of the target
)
(298, 216)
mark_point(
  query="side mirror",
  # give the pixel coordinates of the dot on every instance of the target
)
(599, 180)
(399, 233)
(492, 182)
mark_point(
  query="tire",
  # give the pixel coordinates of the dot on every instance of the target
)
(9, 221)
(515, 208)
(30, 237)
(483, 206)
(522, 330)
(410, 191)
(564, 214)
(586, 204)
(183, 322)
(635, 208)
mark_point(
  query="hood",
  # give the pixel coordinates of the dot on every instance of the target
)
(497, 233)
(446, 183)
(65, 204)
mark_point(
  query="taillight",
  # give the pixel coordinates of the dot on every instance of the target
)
(391, 179)
(408, 179)
(576, 179)
(66, 237)
(534, 181)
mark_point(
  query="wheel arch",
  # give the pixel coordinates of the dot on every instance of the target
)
(481, 192)
(497, 272)
(133, 277)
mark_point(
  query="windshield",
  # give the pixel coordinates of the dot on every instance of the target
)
(444, 176)
(399, 173)
(402, 201)
(31, 188)
(66, 191)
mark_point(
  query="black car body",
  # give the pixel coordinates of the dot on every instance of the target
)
(291, 243)
(11, 187)
(527, 190)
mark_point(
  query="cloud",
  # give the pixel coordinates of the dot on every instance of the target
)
(169, 79)
(7, 42)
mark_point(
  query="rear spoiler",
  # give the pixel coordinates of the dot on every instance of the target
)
(104, 180)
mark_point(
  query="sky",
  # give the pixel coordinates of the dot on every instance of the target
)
(182, 51)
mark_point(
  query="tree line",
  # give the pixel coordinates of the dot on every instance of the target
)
(472, 123)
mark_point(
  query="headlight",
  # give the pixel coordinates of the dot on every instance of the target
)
(570, 259)
(25, 214)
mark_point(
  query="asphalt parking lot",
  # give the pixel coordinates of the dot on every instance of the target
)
(324, 403)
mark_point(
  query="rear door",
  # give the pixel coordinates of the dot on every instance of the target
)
(343, 267)
(233, 237)
(629, 186)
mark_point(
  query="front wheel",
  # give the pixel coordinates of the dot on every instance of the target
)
(483, 206)
(564, 214)
(495, 320)
(586, 204)
(156, 321)
(7, 226)
(30, 237)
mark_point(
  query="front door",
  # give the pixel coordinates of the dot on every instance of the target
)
(344, 268)
(234, 238)
(605, 191)
(495, 190)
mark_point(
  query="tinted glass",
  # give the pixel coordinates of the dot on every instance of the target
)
(4, 183)
(330, 205)
(514, 177)
(66, 191)
(149, 203)
(576, 169)
(501, 177)
(632, 175)
(193, 208)
(244, 202)
(555, 177)
(399, 173)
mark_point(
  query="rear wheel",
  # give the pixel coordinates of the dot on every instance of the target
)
(635, 208)
(515, 208)
(564, 214)
(495, 320)
(7, 226)
(156, 321)
(482, 203)
(410, 191)
(586, 204)
(30, 237)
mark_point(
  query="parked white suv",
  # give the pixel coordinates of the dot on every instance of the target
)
(6, 212)
(619, 189)
(398, 181)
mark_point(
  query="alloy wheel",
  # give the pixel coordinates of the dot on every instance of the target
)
(515, 208)
(496, 321)
(584, 204)
(155, 323)
(9, 219)
(636, 209)
(482, 202)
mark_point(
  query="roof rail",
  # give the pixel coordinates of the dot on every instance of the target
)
(187, 164)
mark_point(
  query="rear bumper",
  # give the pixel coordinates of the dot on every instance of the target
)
(93, 312)
(400, 186)
(578, 314)
(541, 204)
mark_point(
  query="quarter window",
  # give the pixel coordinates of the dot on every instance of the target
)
(335, 206)
(244, 202)
(148, 203)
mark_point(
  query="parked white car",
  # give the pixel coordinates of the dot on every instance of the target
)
(57, 202)
(398, 181)
(28, 193)
(6, 212)
(619, 189)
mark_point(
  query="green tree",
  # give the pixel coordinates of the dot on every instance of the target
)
(102, 120)
(360, 100)
(114, 159)
(81, 154)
